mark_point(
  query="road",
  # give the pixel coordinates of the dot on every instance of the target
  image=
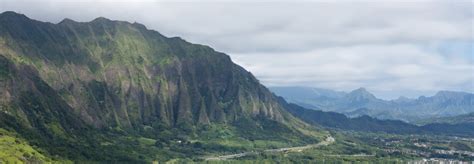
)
(327, 141)
(351, 155)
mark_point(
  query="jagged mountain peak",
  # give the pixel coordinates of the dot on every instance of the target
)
(13, 16)
(361, 89)
(403, 99)
(444, 103)
(449, 93)
(67, 21)
(101, 19)
(360, 93)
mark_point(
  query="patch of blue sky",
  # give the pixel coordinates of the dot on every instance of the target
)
(463, 49)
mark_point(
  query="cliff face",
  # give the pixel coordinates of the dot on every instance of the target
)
(118, 74)
(29, 106)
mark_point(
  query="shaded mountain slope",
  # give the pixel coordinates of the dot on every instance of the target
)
(34, 110)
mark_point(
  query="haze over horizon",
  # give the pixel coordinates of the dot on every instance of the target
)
(392, 48)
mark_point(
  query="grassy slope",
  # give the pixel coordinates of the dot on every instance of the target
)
(14, 149)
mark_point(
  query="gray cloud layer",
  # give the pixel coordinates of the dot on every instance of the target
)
(392, 47)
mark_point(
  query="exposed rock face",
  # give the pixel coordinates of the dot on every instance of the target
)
(27, 103)
(118, 74)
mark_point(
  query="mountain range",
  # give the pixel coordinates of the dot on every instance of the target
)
(360, 102)
(116, 92)
(368, 124)
(70, 86)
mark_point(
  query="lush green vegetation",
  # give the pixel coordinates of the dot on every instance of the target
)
(357, 147)
(111, 91)
(14, 149)
(115, 91)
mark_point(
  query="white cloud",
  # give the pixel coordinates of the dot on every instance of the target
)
(395, 67)
(382, 45)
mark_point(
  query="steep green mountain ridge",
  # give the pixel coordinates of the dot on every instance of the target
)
(62, 81)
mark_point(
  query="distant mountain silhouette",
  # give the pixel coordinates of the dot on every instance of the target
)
(369, 124)
(361, 102)
(465, 118)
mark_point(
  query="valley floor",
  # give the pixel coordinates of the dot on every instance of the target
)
(355, 147)
(327, 141)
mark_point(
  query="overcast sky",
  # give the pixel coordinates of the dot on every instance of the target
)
(390, 47)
